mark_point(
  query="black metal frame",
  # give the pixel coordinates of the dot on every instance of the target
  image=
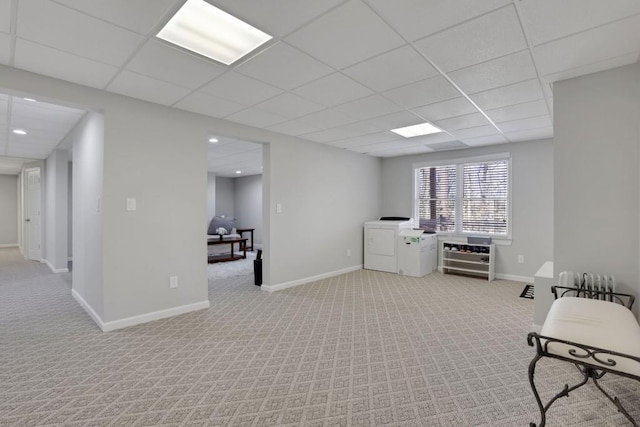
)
(595, 362)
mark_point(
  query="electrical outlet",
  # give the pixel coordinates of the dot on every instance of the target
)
(173, 282)
(520, 259)
(348, 252)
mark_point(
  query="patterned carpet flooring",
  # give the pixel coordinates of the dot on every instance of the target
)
(360, 349)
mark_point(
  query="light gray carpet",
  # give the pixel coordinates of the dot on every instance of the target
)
(361, 349)
(223, 270)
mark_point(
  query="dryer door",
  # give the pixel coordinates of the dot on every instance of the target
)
(381, 241)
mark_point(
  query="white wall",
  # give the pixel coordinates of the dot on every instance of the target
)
(326, 195)
(248, 205)
(597, 181)
(211, 196)
(531, 200)
(225, 197)
(57, 203)
(8, 210)
(88, 156)
(158, 155)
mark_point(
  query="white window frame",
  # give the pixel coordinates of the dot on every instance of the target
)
(459, 192)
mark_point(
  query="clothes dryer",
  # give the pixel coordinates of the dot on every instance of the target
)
(381, 244)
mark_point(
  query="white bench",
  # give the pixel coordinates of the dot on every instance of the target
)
(596, 331)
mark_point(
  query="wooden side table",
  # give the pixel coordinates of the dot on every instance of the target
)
(247, 230)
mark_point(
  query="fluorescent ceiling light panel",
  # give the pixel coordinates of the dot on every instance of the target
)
(20, 132)
(416, 130)
(203, 28)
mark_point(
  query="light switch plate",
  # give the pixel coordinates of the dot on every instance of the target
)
(131, 203)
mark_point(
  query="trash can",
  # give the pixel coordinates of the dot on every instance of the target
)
(257, 269)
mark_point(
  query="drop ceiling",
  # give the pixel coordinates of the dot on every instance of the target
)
(341, 73)
(45, 125)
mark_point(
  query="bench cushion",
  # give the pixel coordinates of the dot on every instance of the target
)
(594, 323)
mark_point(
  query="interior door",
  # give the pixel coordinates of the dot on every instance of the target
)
(33, 217)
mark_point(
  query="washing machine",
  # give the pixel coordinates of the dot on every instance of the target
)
(417, 253)
(381, 243)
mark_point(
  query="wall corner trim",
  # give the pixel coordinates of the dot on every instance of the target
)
(281, 286)
(90, 311)
(53, 269)
(137, 320)
(154, 315)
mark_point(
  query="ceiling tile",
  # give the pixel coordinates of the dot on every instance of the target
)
(448, 145)
(551, 19)
(594, 67)
(62, 65)
(462, 122)
(239, 88)
(487, 37)
(369, 107)
(5, 16)
(445, 109)
(327, 119)
(485, 140)
(526, 124)
(475, 132)
(208, 105)
(395, 120)
(162, 62)
(415, 19)
(346, 35)
(256, 117)
(495, 73)
(146, 88)
(519, 111)
(5, 49)
(343, 132)
(263, 15)
(295, 127)
(289, 105)
(530, 135)
(369, 139)
(602, 43)
(392, 69)
(267, 67)
(75, 32)
(516, 93)
(332, 90)
(422, 93)
(140, 16)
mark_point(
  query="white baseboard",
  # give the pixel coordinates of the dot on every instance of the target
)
(90, 311)
(53, 269)
(280, 286)
(142, 318)
(514, 278)
(10, 245)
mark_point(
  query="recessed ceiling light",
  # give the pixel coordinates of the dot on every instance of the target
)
(29, 99)
(416, 130)
(213, 140)
(209, 31)
(238, 171)
(20, 131)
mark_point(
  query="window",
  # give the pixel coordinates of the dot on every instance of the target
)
(470, 197)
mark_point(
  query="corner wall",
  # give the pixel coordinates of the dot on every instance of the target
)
(8, 210)
(531, 200)
(597, 180)
(56, 218)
